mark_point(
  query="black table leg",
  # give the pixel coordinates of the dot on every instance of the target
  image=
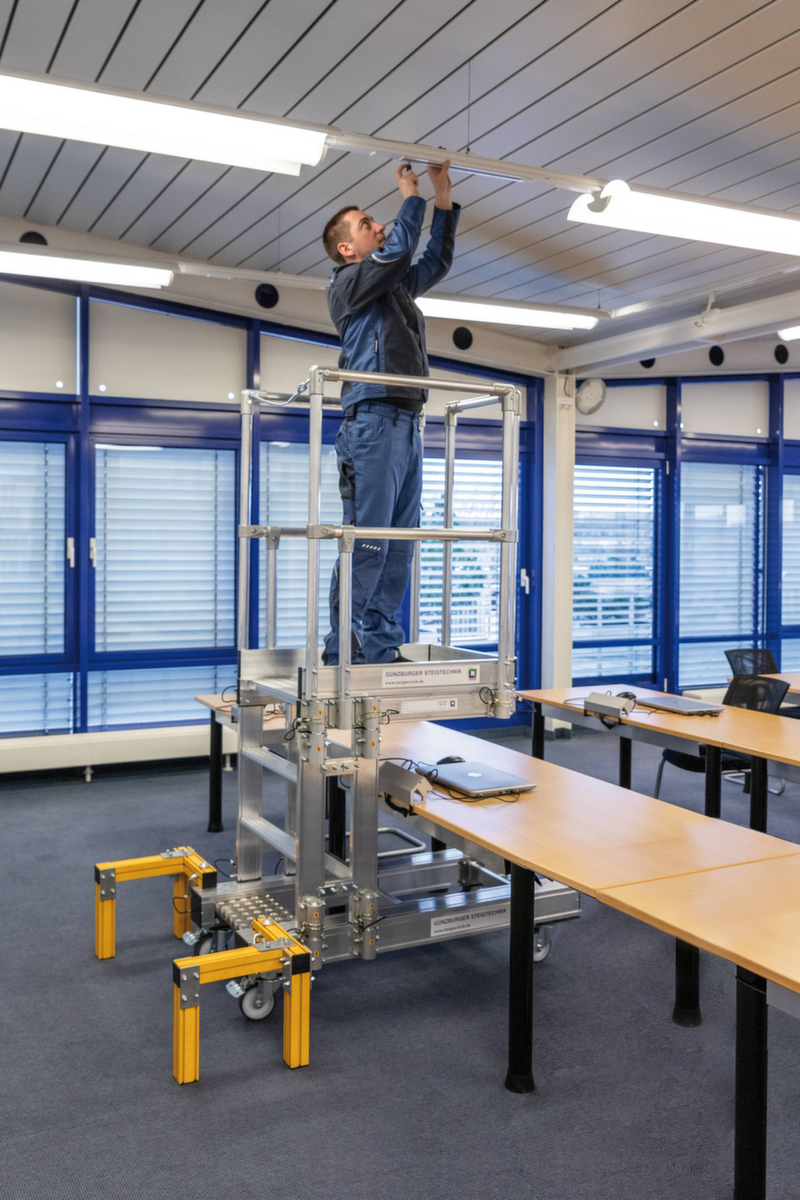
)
(750, 1142)
(687, 985)
(215, 777)
(713, 781)
(758, 794)
(520, 1000)
(625, 752)
(687, 958)
(537, 745)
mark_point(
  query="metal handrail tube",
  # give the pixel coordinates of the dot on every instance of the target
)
(345, 635)
(457, 406)
(249, 405)
(330, 532)
(508, 558)
(334, 375)
(447, 550)
(272, 594)
(413, 616)
(312, 582)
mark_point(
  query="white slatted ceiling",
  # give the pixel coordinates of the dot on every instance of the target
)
(164, 522)
(32, 547)
(693, 95)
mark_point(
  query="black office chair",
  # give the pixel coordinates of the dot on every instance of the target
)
(745, 691)
(757, 661)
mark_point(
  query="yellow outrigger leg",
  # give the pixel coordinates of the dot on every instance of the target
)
(273, 950)
(182, 862)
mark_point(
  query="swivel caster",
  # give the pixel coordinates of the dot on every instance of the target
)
(211, 943)
(258, 1001)
(542, 943)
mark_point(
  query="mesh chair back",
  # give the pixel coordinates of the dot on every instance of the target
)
(756, 692)
(752, 662)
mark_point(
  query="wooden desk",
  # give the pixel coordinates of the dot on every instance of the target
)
(580, 831)
(767, 738)
(749, 915)
(790, 677)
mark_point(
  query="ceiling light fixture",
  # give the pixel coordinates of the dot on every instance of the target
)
(618, 207)
(504, 314)
(789, 335)
(44, 264)
(105, 117)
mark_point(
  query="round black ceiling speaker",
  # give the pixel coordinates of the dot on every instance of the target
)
(716, 356)
(462, 338)
(781, 353)
(647, 363)
(32, 238)
(267, 295)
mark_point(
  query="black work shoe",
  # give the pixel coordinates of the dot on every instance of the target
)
(399, 658)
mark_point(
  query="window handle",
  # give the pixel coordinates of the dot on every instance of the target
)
(93, 551)
(71, 551)
(525, 581)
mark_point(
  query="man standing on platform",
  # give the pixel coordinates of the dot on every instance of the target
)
(378, 448)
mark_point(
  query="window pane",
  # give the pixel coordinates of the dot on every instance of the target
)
(164, 521)
(36, 704)
(790, 654)
(614, 554)
(141, 697)
(591, 663)
(721, 551)
(791, 551)
(477, 499)
(284, 501)
(32, 547)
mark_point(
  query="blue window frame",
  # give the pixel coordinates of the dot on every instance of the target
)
(122, 659)
(614, 572)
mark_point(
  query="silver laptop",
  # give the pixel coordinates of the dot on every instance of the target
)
(475, 780)
(681, 705)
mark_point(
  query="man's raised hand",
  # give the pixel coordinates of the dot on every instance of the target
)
(440, 178)
(407, 180)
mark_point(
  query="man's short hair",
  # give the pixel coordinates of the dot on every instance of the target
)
(338, 230)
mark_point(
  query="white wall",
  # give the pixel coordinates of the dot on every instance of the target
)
(137, 353)
(631, 407)
(731, 408)
(37, 340)
(791, 409)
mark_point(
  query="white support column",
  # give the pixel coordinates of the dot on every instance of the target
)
(559, 463)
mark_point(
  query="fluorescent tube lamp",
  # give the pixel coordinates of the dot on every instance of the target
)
(617, 207)
(500, 314)
(106, 118)
(789, 335)
(83, 270)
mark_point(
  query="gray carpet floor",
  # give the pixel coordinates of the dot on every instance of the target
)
(404, 1097)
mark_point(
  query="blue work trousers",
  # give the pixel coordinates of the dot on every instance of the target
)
(379, 454)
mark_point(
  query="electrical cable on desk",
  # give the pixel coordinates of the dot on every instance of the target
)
(512, 799)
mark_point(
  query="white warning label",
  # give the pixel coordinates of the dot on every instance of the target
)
(453, 921)
(421, 674)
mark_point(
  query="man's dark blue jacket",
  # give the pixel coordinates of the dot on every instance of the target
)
(372, 302)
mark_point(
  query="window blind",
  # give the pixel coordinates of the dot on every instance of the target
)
(613, 592)
(32, 547)
(283, 500)
(163, 694)
(721, 564)
(36, 703)
(477, 500)
(165, 529)
(790, 603)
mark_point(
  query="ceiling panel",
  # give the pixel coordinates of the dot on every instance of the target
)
(690, 94)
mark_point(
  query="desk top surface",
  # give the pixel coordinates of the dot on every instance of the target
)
(740, 729)
(791, 677)
(749, 914)
(223, 708)
(582, 831)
